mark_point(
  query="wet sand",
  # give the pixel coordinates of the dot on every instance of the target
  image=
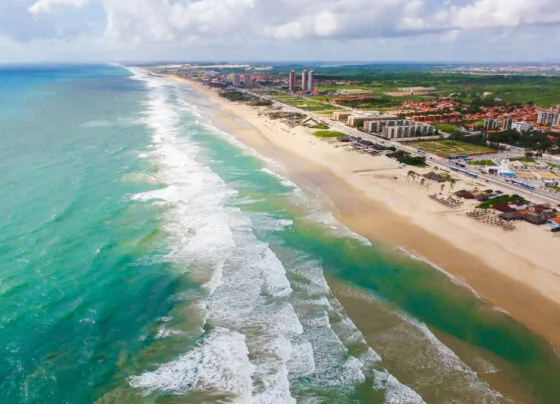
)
(385, 325)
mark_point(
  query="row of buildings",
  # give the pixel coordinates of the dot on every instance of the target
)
(387, 126)
(391, 128)
(246, 79)
(307, 81)
(494, 124)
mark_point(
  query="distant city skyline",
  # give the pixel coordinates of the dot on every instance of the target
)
(432, 31)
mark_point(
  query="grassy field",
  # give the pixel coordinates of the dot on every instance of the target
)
(446, 148)
(446, 127)
(328, 133)
(482, 163)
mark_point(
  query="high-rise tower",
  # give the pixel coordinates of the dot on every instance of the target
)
(292, 82)
(310, 81)
(304, 81)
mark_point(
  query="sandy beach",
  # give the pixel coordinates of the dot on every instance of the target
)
(516, 271)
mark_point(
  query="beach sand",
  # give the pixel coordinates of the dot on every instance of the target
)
(519, 271)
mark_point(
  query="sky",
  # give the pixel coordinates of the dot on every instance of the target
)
(280, 30)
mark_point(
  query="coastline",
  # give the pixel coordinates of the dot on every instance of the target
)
(371, 195)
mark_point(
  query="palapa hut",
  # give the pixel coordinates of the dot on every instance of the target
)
(434, 177)
(464, 194)
(535, 218)
(511, 216)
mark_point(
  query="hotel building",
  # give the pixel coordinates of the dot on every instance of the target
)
(549, 118)
(310, 81)
(292, 82)
(304, 81)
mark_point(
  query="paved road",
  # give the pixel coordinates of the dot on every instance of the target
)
(538, 195)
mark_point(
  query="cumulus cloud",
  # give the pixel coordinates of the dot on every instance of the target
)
(47, 6)
(167, 20)
(500, 13)
(263, 24)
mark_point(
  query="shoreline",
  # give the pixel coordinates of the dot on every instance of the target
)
(371, 198)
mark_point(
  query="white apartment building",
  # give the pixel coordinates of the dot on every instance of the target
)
(507, 123)
(409, 131)
(550, 118)
(310, 82)
(491, 124)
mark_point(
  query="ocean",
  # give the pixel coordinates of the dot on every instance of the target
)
(148, 256)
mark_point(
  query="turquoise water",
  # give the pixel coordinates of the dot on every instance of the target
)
(145, 255)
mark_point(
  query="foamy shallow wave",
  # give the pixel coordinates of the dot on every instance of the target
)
(262, 336)
(283, 180)
(395, 392)
(220, 363)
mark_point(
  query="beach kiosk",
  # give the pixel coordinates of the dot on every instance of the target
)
(504, 170)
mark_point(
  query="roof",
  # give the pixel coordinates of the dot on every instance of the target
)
(534, 218)
(503, 208)
(511, 216)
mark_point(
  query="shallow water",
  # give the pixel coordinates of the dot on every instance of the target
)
(148, 256)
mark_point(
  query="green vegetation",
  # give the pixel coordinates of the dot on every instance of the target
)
(446, 148)
(446, 127)
(382, 78)
(260, 102)
(535, 141)
(309, 105)
(502, 200)
(482, 163)
(405, 158)
(236, 96)
(328, 133)
(370, 103)
(321, 125)
(544, 91)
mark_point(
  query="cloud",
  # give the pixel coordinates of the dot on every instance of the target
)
(500, 13)
(297, 26)
(48, 6)
(171, 20)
